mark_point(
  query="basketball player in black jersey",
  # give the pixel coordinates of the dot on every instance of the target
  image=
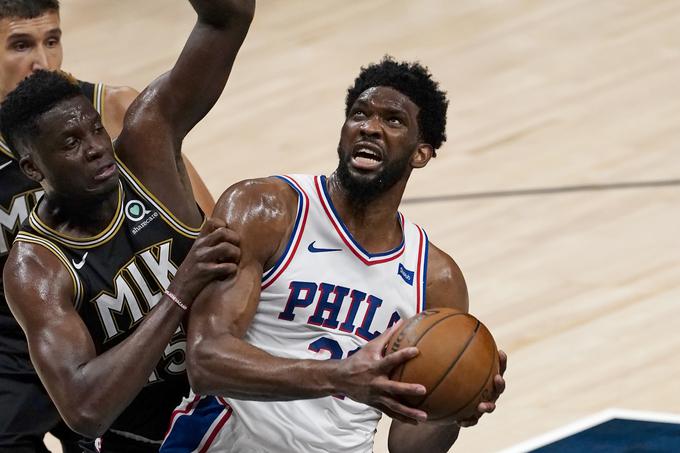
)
(89, 280)
(30, 34)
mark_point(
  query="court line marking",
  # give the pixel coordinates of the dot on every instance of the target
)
(589, 422)
(544, 191)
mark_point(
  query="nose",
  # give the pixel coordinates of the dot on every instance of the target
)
(370, 127)
(40, 60)
(95, 149)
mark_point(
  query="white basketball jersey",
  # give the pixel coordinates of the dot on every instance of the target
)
(325, 298)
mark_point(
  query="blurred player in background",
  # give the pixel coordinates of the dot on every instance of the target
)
(89, 277)
(31, 40)
(328, 265)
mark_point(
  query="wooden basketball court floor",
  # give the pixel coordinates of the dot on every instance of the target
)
(556, 192)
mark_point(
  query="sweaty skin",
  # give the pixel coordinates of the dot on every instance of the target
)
(91, 390)
(379, 147)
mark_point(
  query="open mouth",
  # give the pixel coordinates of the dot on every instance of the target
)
(366, 156)
(105, 172)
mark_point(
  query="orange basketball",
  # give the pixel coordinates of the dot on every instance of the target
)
(457, 362)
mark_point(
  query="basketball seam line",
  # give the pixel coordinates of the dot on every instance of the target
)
(481, 388)
(453, 364)
(415, 343)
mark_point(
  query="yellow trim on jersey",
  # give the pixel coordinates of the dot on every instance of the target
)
(98, 98)
(78, 290)
(87, 242)
(5, 148)
(168, 216)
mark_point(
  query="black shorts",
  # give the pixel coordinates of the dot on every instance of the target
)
(27, 414)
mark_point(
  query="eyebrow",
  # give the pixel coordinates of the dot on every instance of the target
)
(21, 35)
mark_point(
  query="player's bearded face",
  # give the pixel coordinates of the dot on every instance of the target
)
(369, 185)
(377, 142)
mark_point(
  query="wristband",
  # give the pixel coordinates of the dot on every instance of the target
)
(175, 299)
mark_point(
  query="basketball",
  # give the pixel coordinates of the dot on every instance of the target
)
(457, 362)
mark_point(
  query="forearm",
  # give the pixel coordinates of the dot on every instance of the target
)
(406, 438)
(105, 385)
(231, 367)
(223, 13)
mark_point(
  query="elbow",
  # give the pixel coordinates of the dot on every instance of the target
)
(88, 423)
(200, 362)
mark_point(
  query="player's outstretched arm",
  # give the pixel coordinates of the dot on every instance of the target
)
(162, 115)
(445, 288)
(117, 100)
(91, 390)
(220, 362)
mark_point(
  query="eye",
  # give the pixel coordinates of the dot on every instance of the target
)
(359, 114)
(98, 128)
(395, 121)
(20, 46)
(71, 143)
(52, 42)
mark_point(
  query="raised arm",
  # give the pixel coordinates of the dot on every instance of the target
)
(445, 288)
(91, 390)
(220, 362)
(163, 114)
(117, 99)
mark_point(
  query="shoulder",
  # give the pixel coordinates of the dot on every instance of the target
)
(261, 210)
(117, 99)
(33, 273)
(445, 282)
(259, 199)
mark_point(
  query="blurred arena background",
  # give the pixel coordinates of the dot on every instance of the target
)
(556, 192)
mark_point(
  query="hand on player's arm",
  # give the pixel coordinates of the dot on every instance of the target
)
(91, 390)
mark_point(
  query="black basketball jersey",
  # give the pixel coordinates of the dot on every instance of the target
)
(119, 275)
(18, 196)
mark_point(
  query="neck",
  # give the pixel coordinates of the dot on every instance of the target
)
(77, 217)
(373, 223)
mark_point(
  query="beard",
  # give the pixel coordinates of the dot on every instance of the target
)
(366, 187)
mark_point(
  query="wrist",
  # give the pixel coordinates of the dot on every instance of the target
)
(330, 377)
(176, 299)
(176, 293)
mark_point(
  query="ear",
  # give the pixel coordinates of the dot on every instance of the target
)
(422, 155)
(30, 169)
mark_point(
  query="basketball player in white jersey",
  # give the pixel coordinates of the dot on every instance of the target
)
(327, 266)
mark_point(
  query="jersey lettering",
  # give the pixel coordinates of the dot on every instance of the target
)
(11, 219)
(124, 299)
(328, 300)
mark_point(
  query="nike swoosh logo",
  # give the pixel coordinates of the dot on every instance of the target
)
(313, 249)
(81, 263)
(5, 164)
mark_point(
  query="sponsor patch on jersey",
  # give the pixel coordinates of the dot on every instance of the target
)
(135, 211)
(406, 274)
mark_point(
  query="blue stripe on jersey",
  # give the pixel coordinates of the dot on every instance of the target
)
(324, 188)
(291, 240)
(424, 286)
(190, 429)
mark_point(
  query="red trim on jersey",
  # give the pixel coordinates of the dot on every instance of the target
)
(217, 428)
(300, 230)
(419, 273)
(348, 241)
(177, 412)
